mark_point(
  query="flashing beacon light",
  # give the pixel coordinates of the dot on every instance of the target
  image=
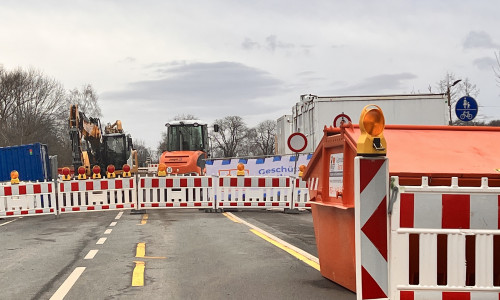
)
(162, 170)
(302, 168)
(126, 171)
(14, 177)
(81, 173)
(110, 171)
(241, 170)
(96, 170)
(66, 174)
(371, 123)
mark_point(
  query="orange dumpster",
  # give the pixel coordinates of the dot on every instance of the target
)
(438, 152)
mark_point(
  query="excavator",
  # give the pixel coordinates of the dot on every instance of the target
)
(187, 146)
(91, 147)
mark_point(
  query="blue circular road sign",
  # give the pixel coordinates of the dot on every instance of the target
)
(466, 108)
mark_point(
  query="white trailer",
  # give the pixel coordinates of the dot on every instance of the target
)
(312, 113)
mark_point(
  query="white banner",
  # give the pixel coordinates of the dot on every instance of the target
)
(268, 166)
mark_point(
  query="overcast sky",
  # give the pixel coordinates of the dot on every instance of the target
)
(151, 60)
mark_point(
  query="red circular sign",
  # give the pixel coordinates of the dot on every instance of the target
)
(297, 142)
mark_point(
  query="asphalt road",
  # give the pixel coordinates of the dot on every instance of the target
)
(189, 254)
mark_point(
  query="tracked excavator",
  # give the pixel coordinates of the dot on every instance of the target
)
(90, 146)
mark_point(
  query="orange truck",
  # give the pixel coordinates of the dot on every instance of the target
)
(187, 147)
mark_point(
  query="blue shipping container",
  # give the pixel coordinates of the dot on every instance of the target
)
(31, 161)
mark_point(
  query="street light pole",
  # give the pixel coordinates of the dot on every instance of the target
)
(449, 97)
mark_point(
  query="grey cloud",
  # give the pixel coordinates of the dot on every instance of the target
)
(378, 84)
(484, 63)
(248, 44)
(273, 43)
(219, 88)
(479, 39)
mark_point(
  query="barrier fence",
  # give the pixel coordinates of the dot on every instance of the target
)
(26, 199)
(92, 195)
(445, 242)
(209, 192)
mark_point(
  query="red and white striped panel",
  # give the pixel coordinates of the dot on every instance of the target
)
(455, 295)
(26, 189)
(27, 199)
(96, 195)
(312, 184)
(176, 192)
(27, 212)
(450, 211)
(96, 185)
(195, 204)
(301, 196)
(176, 182)
(371, 181)
(252, 181)
(97, 207)
(252, 204)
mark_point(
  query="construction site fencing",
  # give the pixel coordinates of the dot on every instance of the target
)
(445, 242)
(178, 192)
(152, 192)
(97, 194)
(27, 198)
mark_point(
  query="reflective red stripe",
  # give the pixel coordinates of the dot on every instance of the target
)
(24, 212)
(37, 189)
(184, 204)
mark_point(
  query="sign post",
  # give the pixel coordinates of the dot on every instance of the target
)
(297, 142)
(466, 108)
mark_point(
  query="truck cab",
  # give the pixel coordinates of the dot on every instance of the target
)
(187, 146)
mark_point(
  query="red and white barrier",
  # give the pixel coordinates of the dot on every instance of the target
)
(371, 182)
(97, 194)
(176, 192)
(254, 192)
(300, 194)
(27, 199)
(445, 242)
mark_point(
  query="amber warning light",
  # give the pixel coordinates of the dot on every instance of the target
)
(371, 124)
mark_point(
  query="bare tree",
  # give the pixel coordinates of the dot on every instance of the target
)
(30, 102)
(455, 88)
(143, 153)
(86, 99)
(264, 138)
(230, 140)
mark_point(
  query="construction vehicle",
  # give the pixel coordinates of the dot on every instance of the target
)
(187, 146)
(90, 147)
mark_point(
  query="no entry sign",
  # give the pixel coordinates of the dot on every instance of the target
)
(297, 142)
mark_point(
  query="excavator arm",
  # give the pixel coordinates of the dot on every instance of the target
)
(88, 129)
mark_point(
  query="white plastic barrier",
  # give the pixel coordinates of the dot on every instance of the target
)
(98, 194)
(300, 194)
(254, 192)
(24, 199)
(445, 242)
(176, 192)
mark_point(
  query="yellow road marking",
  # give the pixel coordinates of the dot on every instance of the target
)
(231, 218)
(285, 248)
(138, 275)
(144, 219)
(140, 252)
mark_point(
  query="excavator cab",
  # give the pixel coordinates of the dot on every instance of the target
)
(187, 145)
(117, 149)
